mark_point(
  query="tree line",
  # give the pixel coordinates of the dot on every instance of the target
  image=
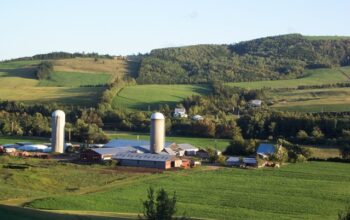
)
(270, 58)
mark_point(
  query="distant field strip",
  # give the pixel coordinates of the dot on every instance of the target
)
(313, 77)
(312, 100)
(313, 190)
(149, 97)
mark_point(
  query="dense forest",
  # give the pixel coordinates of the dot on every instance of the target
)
(284, 56)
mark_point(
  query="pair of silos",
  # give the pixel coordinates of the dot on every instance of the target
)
(157, 136)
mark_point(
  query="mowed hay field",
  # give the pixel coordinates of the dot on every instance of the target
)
(312, 77)
(312, 100)
(313, 190)
(150, 97)
(18, 81)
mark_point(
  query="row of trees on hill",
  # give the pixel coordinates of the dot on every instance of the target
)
(267, 58)
(63, 55)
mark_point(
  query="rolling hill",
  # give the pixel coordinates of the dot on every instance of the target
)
(67, 85)
(270, 58)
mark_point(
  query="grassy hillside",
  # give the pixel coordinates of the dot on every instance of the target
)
(149, 97)
(285, 193)
(18, 81)
(312, 77)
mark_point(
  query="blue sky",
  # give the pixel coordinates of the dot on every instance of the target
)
(30, 27)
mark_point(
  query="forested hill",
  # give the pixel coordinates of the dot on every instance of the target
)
(278, 57)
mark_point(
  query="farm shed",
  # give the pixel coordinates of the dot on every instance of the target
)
(233, 161)
(203, 154)
(180, 112)
(158, 161)
(100, 154)
(189, 149)
(265, 150)
(255, 103)
(250, 161)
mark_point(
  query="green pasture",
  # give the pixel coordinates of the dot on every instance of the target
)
(149, 97)
(76, 79)
(312, 100)
(312, 77)
(313, 190)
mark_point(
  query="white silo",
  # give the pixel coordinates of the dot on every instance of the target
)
(58, 121)
(157, 132)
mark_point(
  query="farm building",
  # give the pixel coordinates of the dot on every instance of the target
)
(203, 154)
(101, 154)
(180, 113)
(144, 147)
(197, 118)
(264, 150)
(189, 149)
(158, 161)
(250, 161)
(233, 161)
(255, 103)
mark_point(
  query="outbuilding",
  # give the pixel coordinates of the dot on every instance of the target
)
(233, 161)
(250, 161)
(189, 149)
(264, 150)
(158, 161)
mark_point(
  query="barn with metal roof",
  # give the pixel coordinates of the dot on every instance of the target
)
(158, 161)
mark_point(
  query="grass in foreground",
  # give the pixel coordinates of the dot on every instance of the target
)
(313, 77)
(18, 213)
(313, 190)
(29, 178)
(149, 97)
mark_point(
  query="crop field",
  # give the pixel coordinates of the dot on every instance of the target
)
(313, 77)
(312, 100)
(18, 81)
(226, 193)
(149, 97)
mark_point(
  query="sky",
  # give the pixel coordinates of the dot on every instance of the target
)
(30, 27)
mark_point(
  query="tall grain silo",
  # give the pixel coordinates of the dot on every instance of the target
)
(58, 121)
(157, 132)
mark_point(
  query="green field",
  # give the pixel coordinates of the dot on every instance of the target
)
(219, 144)
(314, 190)
(312, 77)
(15, 139)
(76, 79)
(312, 100)
(149, 97)
(18, 81)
